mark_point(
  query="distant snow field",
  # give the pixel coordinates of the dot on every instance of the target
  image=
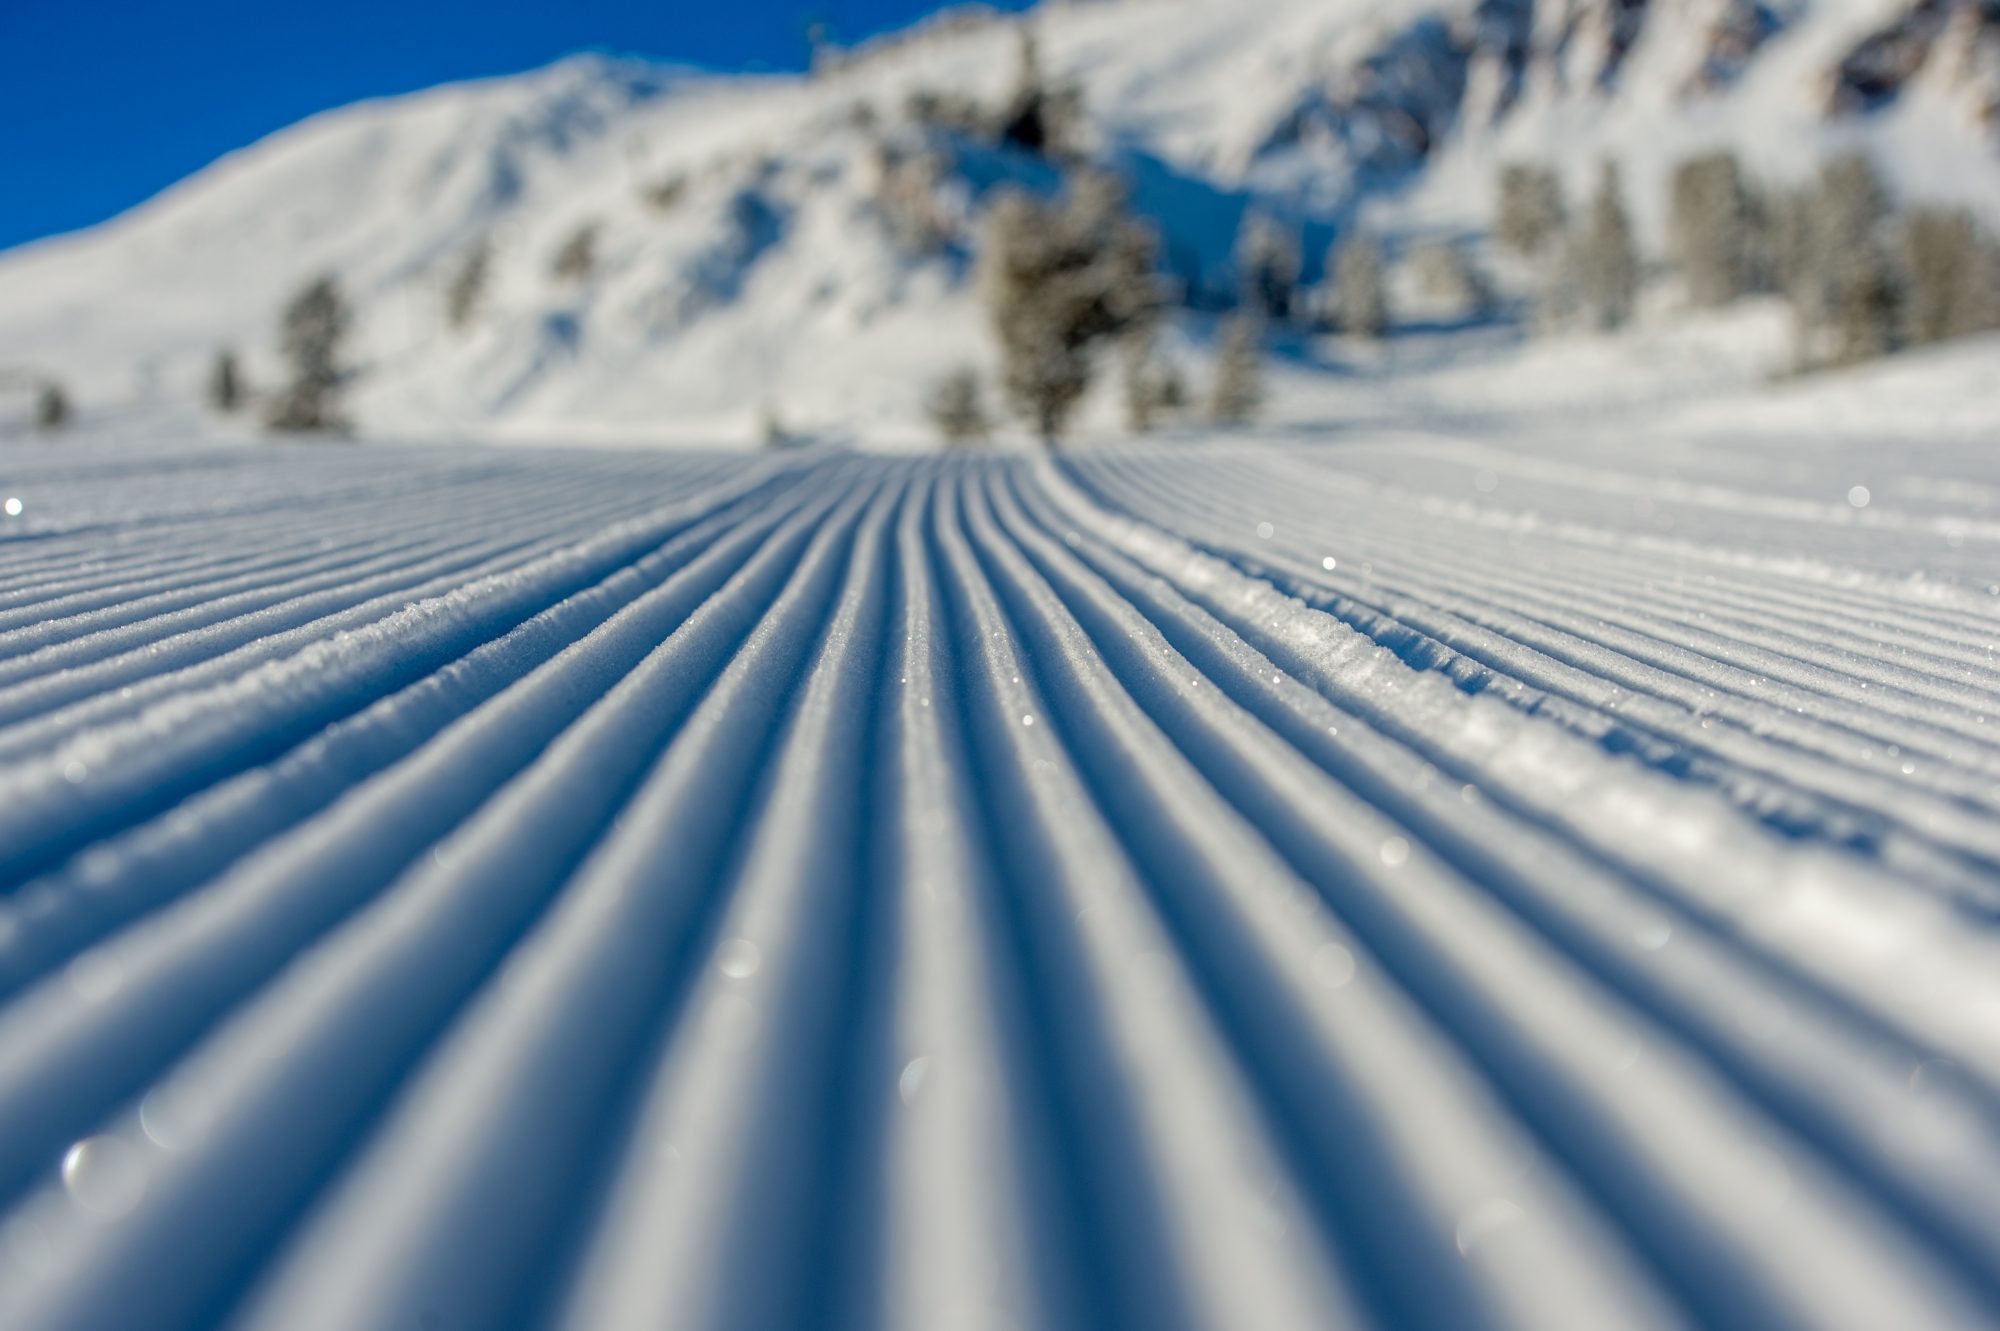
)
(1431, 880)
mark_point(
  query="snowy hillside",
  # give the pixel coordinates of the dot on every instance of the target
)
(1410, 885)
(747, 247)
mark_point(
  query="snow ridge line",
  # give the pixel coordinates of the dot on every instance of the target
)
(52, 919)
(1705, 1013)
(1621, 693)
(209, 721)
(394, 529)
(1639, 825)
(1437, 572)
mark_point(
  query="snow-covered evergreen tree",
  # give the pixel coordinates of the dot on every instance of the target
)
(576, 258)
(773, 432)
(52, 408)
(1038, 116)
(225, 383)
(665, 194)
(1980, 286)
(1268, 266)
(467, 290)
(1448, 281)
(908, 189)
(1529, 213)
(1239, 372)
(1847, 299)
(1947, 276)
(1154, 390)
(1790, 240)
(1059, 279)
(314, 327)
(1712, 228)
(1866, 314)
(1606, 260)
(957, 409)
(1360, 288)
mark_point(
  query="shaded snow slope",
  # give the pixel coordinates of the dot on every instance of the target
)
(745, 257)
(1409, 883)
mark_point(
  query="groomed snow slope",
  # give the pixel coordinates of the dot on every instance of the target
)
(1406, 883)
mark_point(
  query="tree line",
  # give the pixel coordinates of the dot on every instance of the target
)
(1863, 274)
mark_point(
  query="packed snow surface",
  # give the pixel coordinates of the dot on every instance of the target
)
(752, 234)
(1402, 882)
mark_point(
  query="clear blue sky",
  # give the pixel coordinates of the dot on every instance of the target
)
(104, 103)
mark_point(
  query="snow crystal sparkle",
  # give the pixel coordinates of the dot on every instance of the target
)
(105, 1176)
(911, 1082)
(739, 958)
(1333, 965)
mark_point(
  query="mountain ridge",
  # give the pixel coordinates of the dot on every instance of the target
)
(746, 258)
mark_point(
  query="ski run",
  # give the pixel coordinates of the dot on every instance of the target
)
(1396, 882)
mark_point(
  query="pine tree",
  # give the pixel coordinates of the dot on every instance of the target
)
(1947, 276)
(1021, 124)
(957, 410)
(1606, 260)
(1846, 292)
(1268, 265)
(1712, 228)
(1529, 214)
(949, 113)
(1239, 372)
(576, 258)
(1060, 278)
(1154, 389)
(664, 194)
(1559, 303)
(772, 431)
(1038, 117)
(1790, 231)
(822, 55)
(1981, 287)
(1790, 238)
(225, 383)
(1448, 281)
(1360, 288)
(467, 289)
(315, 324)
(1865, 314)
(910, 195)
(52, 409)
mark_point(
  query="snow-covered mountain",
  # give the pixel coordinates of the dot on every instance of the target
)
(802, 245)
